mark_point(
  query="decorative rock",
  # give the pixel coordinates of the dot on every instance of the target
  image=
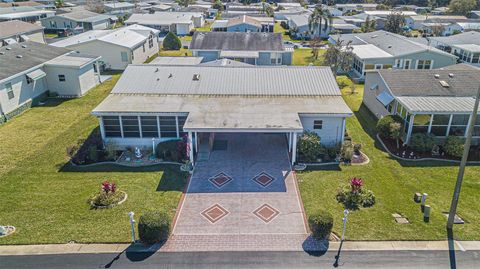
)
(417, 197)
(400, 219)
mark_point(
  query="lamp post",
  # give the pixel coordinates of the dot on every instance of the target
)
(344, 220)
(132, 222)
(153, 146)
(463, 163)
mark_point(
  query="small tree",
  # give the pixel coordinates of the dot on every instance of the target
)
(339, 57)
(185, 3)
(95, 6)
(369, 25)
(395, 22)
(315, 44)
(172, 42)
(454, 146)
(461, 7)
(154, 227)
(396, 132)
(218, 5)
(309, 147)
(321, 224)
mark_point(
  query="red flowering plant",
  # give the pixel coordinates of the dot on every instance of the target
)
(183, 148)
(354, 195)
(107, 197)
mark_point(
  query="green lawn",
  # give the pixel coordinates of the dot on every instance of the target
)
(277, 28)
(394, 184)
(176, 53)
(206, 27)
(305, 57)
(46, 201)
(48, 36)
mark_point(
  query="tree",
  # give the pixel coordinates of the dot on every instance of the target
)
(95, 6)
(59, 3)
(395, 22)
(317, 19)
(369, 25)
(437, 29)
(396, 132)
(339, 56)
(462, 7)
(172, 42)
(382, 7)
(218, 5)
(315, 44)
(185, 3)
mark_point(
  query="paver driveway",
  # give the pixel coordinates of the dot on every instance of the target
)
(246, 188)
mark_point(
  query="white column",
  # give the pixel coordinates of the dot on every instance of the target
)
(468, 125)
(190, 146)
(121, 125)
(344, 126)
(294, 150)
(102, 128)
(196, 142)
(178, 129)
(410, 126)
(430, 123)
(450, 123)
(139, 126)
(98, 71)
(289, 135)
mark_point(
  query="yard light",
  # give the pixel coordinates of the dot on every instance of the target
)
(344, 220)
(153, 145)
(132, 222)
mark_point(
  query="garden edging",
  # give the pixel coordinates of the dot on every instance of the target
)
(112, 205)
(419, 159)
(122, 164)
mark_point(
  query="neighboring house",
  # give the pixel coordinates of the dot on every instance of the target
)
(160, 103)
(180, 23)
(162, 8)
(78, 21)
(440, 11)
(119, 8)
(300, 28)
(251, 48)
(234, 10)
(416, 22)
(474, 14)
(437, 101)
(282, 14)
(385, 50)
(18, 31)
(120, 47)
(176, 60)
(29, 70)
(465, 45)
(347, 8)
(244, 23)
(24, 13)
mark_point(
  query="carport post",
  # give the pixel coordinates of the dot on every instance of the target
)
(294, 148)
(290, 142)
(190, 147)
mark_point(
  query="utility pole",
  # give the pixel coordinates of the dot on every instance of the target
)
(463, 163)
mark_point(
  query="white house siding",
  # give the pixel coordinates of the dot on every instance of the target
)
(101, 25)
(87, 79)
(139, 57)
(183, 29)
(370, 96)
(23, 92)
(332, 128)
(69, 87)
(37, 37)
(111, 54)
(198, 21)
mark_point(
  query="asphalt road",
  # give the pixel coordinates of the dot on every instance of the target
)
(350, 259)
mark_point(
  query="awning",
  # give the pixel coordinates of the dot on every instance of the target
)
(37, 74)
(385, 98)
(239, 54)
(10, 41)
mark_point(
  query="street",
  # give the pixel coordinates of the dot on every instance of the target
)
(347, 259)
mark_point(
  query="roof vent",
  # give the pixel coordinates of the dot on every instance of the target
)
(436, 76)
(451, 75)
(170, 76)
(444, 84)
(196, 77)
(19, 56)
(374, 36)
(156, 70)
(8, 48)
(2, 53)
(24, 46)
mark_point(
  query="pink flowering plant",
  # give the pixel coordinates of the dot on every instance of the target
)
(355, 195)
(108, 196)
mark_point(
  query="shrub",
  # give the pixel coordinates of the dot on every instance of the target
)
(154, 227)
(357, 148)
(384, 125)
(353, 195)
(92, 153)
(172, 42)
(343, 82)
(368, 198)
(422, 142)
(347, 150)
(309, 147)
(454, 146)
(107, 196)
(168, 150)
(321, 224)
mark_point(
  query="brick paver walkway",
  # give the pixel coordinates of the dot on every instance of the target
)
(244, 198)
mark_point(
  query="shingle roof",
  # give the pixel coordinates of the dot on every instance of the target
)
(463, 83)
(227, 81)
(243, 19)
(463, 38)
(237, 41)
(32, 53)
(391, 43)
(15, 27)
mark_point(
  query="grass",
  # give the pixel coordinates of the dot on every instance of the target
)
(151, 58)
(47, 201)
(54, 35)
(305, 57)
(277, 28)
(176, 53)
(206, 27)
(394, 184)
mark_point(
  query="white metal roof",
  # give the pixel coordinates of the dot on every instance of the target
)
(370, 51)
(469, 47)
(239, 54)
(36, 74)
(73, 60)
(163, 18)
(436, 104)
(222, 80)
(177, 60)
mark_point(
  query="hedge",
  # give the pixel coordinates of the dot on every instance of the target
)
(154, 227)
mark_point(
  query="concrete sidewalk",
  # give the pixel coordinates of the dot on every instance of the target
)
(332, 246)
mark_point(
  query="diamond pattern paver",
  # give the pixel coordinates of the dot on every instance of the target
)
(220, 180)
(214, 213)
(264, 179)
(266, 213)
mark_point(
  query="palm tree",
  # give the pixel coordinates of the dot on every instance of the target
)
(317, 19)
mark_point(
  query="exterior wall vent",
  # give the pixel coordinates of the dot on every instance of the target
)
(196, 77)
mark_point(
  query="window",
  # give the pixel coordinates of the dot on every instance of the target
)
(9, 88)
(149, 126)
(317, 124)
(130, 126)
(61, 77)
(29, 80)
(421, 123)
(150, 41)
(275, 58)
(378, 66)
(124, 56)
(440, 124)
(143, 46)
(398, 63)
(111, 125)
(424, 64)
(168, 126)
(459, 124)
(406, 65)
(181, 122)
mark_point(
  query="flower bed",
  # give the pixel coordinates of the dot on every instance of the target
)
(108, 196)
(92, 150)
